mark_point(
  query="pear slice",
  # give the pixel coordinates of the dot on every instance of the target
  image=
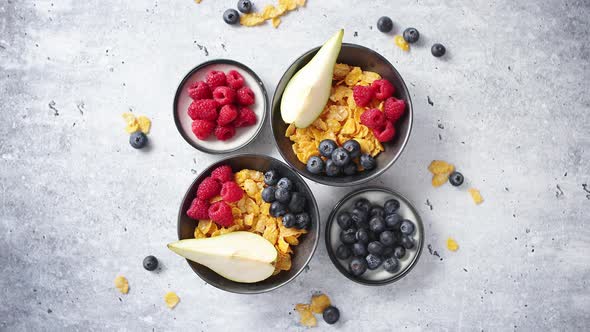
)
(239, 256)
(308, 90)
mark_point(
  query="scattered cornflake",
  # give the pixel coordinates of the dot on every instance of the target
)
(198, 1)
(306, 317)
(133, 124)
(476, 195)
(271, 12)
(401, 43)
(275, 22)
(144, 124)
(319, 303)
(122, 284)
(171, 299)
(440, 170)
(452, 245)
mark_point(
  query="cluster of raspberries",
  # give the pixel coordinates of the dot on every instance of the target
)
(220, 105)
(220, 182)
(382, 123)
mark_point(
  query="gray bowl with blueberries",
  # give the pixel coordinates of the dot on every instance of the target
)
(374, 236)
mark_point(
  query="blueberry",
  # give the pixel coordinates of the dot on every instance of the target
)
(377, 225)
(384, 24)
(268, 194)
(347, 236)
(326, 147)
(377, 211)
(245, 6)
(332, 169)
(271, 177)
(353, 147)
(368, 162)
(407, 227)
(362, 236)
(357, 266)
(349, 169)
(438, 50)
(391, 206)
(282, 195)
(387, 238)
(315, 165)
(231, 16)
(285, 183)
(387, 252)
(408, 242)
(393, 221)
(411, 35)
(150, 263)
(138, 140)
(391, 264)
(340, 157)
(456, 179)
(344, 220)
(359, 249)
(372, 236)
(343, 252)
(302, 220)
(331, 315)
(297, 203)
(277, 209)
(399, 252)
(373, 261)
(375, 248)
(363, 203)
(360, 218)
(289, 220)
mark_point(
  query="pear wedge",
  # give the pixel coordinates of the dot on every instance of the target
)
(307, 92)
(239, 256)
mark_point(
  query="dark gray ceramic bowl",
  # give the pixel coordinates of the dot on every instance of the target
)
(376, 195)
(367, 59)
(302, 252)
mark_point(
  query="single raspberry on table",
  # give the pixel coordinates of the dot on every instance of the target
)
(385, 134)
(245, 96)
(246, 117)
(203, 128)
(234, 79)
(231, 192)
(223, 133)
(362, 95)
(373, 118)
(221, 214)
(224, 95)
(215, 78)
(208, 188)
(223, 173)
(227, 114)
(383, 89)
(199, 90)
(394, 108)
(199, 209)
(204, 109)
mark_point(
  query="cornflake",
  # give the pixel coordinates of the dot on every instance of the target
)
(171, 299)
(122, 284)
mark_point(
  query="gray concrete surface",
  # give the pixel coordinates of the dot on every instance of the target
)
(79, 206)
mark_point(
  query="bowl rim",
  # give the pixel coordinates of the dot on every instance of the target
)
(334, 259)
(186, 77)
(298, 177)
(325, 180)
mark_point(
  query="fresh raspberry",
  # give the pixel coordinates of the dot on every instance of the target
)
(224, 95)
(227, 114)
(199, 209)
(209, 188)
(223, 173)
(394, 108)
(221, 214)
(245, 96)
(203, 128)
(223, 133)
(383, 89)
(234, 79)
(231, 192)
(204, 109)
(199, 90)
(363, 95)
(386, 134)
(373, 118)
(246, 118)
(215, 78)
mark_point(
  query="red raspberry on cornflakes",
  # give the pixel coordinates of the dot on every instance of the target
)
(208, 188)
(385, 134)
(199, 209)
(373, 118)
(394, 108)
(231, 192)
(363, 95)
(223, 173)
(383, 89)
(221, 214)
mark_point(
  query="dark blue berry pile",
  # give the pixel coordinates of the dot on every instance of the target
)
(285, 201)
(339, 161)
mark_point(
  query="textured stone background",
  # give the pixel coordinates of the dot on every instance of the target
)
(79, 206)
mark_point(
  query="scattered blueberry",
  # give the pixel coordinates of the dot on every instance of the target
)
(438, 50)
(343, 252)
(302, 220)
(315, 165)
(138, 140)
(375, 248)
(331, 168)
(368, 162)
(285, 183)
(378, 211)
(391, 206)
(344, 220)
(391, 264)
(340, 157)
(358, 266)
(363, 203)
(399, 252)
(150, 263)
(411, 35)
(326, 147)
(277, 209)
(268, 194)
(282, 195)
(347, 236)
(393, 221)
(360, 218)
(384, 24)
(407, 227)
(362, 236)
(349, 169)
(377, 225)
(297, 203)
(231, 16)
(387, 252)
(289, 220)
(387, 238)
(456, 179)
(331, 315)
(245, 6)
(271, 177)
(353, 147)
(373, 261)
(408, 242)
(359, 249)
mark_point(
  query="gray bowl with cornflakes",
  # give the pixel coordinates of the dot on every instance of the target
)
(302, 253)
(368, 60)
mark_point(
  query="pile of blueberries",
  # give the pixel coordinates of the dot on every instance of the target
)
(284, 201)
(374, 236)
(339, 160)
